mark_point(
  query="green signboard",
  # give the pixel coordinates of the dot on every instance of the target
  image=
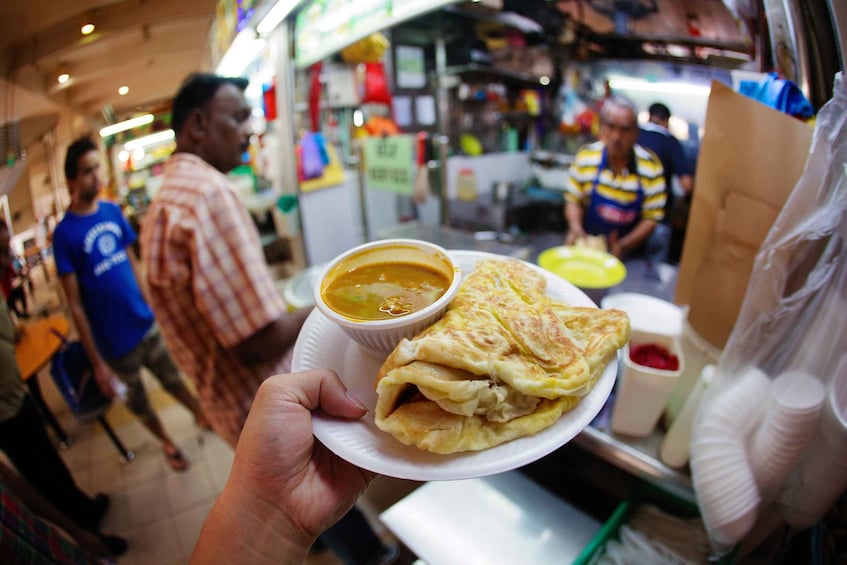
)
(388, 163)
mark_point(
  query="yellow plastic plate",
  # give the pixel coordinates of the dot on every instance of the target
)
(583, 267)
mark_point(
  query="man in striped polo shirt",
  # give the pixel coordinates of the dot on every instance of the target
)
(617, 188)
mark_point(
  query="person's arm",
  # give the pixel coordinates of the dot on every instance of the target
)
(284, 488)
(102, 373)
(687, 183)
(265, 345)
(619, 247)
(136, 270)
(573, 215)
(38, 505)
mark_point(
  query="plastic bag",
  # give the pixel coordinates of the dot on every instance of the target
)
(376, 85)
(310, 157)
(778, 93)
(778, 386)
(367, 50)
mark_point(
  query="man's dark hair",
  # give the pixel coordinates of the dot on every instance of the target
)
(76, 150)
(659, 110)
(196, 90)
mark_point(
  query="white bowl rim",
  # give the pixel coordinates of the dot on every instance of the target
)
(377, 325)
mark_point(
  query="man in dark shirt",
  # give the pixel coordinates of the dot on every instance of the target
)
(655, 136)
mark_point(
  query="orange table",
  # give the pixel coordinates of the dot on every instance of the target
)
(33, 352)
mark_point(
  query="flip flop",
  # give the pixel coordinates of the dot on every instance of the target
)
(176, 461)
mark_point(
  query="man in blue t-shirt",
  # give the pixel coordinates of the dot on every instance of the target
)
(116, 327)
(655, 136)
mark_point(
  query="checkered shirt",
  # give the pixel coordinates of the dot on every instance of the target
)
(210, 287)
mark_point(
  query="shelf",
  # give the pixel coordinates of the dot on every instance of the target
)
(489, 73)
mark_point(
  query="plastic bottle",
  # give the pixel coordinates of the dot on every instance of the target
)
(676, 445)
(466, 185)
(119, 389)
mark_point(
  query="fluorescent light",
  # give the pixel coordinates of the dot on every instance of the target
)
(275, 15)
(87, 29)
(244, 49)
(151, 139)
(641, 85)
(125, 125)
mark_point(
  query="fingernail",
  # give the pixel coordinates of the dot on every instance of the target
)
(356, 402)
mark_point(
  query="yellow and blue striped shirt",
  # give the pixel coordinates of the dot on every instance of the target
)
(621, 188)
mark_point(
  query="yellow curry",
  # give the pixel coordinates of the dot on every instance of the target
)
(384, 291)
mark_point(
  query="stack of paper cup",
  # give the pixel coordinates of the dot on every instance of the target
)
(792, 413)
(723, 479)
(822, 477)
(726, 488)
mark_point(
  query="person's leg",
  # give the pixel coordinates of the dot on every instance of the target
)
(657, 245)
(160, 363)
(26, 444)
(128, 368)
(19, 296)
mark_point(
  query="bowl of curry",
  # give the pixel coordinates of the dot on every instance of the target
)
(383, 291)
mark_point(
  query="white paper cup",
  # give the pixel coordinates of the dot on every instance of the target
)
(785, 432)
(812, 488)
(643, 391)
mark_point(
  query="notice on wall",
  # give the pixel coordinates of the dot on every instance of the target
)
(410, 66)
(388, 163)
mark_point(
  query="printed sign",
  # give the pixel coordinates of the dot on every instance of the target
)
(388, 163)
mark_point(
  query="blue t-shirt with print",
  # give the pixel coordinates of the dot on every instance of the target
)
(94, 247)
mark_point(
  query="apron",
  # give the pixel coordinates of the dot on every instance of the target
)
(603, 215)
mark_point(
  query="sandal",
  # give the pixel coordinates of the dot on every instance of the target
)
(176, 461)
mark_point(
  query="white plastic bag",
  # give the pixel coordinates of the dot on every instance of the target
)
(792, 324)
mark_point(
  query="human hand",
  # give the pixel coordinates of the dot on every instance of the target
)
(104, 376)
(615, 247)
(284, 488)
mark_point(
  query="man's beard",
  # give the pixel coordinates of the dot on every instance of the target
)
(89, 195)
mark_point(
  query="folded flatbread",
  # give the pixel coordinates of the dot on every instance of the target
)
(505, 361)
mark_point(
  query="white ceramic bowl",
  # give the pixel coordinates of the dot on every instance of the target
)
(380, 337)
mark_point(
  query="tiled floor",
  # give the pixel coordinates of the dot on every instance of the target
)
(159, 511)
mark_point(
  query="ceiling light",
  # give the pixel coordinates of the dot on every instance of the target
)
(275, 15)
(87, 29)
(544, 80)
(63, 78)
(123, 90)
(125, 125)
(123, 156)
(244, 49)
(152, 139)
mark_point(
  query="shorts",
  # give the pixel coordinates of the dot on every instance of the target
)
(150, 353)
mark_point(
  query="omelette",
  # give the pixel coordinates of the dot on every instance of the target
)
(505, 361)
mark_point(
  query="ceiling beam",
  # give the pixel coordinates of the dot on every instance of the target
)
(110, 19)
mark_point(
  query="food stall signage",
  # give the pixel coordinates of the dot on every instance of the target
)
(326, 26)
(388, 163)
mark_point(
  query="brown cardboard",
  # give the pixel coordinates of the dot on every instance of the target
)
(750, 159)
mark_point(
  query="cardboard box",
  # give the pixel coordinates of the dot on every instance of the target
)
(750, 159)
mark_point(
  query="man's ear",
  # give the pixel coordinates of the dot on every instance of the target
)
(196, 123)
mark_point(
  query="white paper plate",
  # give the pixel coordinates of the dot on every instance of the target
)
(322, 344)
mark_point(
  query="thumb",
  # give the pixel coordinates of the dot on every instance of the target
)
(322, 389)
